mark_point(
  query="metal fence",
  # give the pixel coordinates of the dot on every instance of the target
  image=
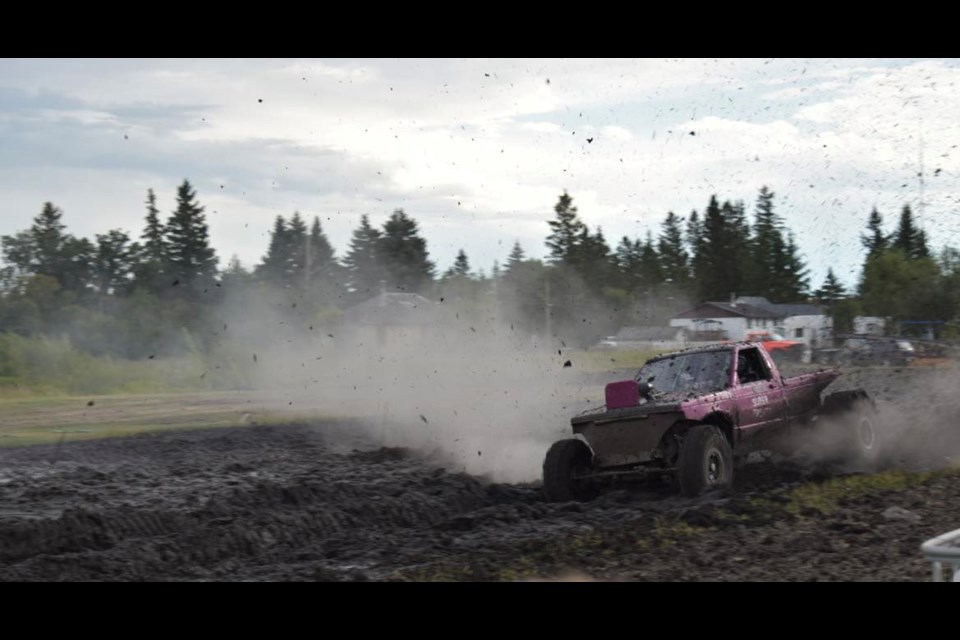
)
(944, 551)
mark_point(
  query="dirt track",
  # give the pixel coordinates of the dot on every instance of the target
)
(321, 502)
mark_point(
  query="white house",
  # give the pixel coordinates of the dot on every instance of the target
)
(802, 322)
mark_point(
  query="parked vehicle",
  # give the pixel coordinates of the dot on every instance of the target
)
(865, 350)
(780, 348)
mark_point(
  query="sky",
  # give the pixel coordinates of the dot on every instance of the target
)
(479, 151)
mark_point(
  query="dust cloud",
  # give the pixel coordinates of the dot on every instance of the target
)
(469, 392)
(914, 414)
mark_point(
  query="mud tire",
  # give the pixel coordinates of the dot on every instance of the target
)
(564, 460)
(705, 462)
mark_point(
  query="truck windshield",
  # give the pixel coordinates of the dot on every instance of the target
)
(703, 372)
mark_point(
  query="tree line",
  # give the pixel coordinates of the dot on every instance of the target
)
(155, 293)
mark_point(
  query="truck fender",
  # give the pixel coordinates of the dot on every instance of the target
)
(841, 401)
(669, 446)
(583, 439)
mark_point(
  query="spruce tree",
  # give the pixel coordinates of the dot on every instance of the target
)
(831, 290)
(875, 240)
(273, 268)
(674, 259)
(461, 266)
(566, 231)
(192, 260)
(364, 268)
(909, 238)
(152, 260)
(404, 254)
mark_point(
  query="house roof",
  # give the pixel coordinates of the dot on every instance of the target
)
(750, 307)
(648, 333)
(784, 310)
(710, 309)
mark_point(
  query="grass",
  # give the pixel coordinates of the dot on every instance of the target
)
(611, 359)
(45, 367)
(828, 496)
(51, 420)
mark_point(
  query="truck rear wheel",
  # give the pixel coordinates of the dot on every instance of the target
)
(705, 462)
(863, 442)
(857, 418)
(565, 460)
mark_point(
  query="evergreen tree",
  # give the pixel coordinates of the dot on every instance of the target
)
(235, 276)
(628, 259)
(650, 268)
(674, 259)
(875, 240)
(458, 284)
(274, 267)
(461, 266)
(364, 269)
(154, 245)
(831, 290)
(516, 256)
(151, 263)
(191, 259)
(909, 238)
(521, 294)
(49, 242)
(590, 258)
(296, 241)
(324, 276)
(566, 231)
(45, 249)
(115, 261)
(767, 249)
(404, 254)
(321, 251)
(719, 276)
(75, 271)
(697, 243)
(793, 283)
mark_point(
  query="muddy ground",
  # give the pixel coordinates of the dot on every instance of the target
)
(323, 501)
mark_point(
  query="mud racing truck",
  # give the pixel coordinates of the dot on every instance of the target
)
(690, 415)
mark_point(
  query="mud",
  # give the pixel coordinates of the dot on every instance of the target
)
(324, 501)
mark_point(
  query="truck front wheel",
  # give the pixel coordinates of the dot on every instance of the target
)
(565, 460)
(705, 462)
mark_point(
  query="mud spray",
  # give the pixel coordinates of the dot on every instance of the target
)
(469, 392)
(916, 417)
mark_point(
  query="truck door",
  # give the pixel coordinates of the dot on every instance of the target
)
(758, 395)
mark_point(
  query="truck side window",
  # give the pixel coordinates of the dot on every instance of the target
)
(750, 367)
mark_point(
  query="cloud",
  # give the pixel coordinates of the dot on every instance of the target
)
(478, 148)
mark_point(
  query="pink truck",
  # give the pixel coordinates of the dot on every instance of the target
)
(693, 414)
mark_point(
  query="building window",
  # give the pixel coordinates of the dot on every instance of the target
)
(798, 333)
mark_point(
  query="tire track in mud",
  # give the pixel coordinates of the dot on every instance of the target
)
(316, 497)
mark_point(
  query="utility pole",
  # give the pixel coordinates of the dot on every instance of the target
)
(306, 270)
(496, 295)
(546, 308)
(920, 205)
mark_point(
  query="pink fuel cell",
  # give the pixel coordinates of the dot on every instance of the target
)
(622, 394)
